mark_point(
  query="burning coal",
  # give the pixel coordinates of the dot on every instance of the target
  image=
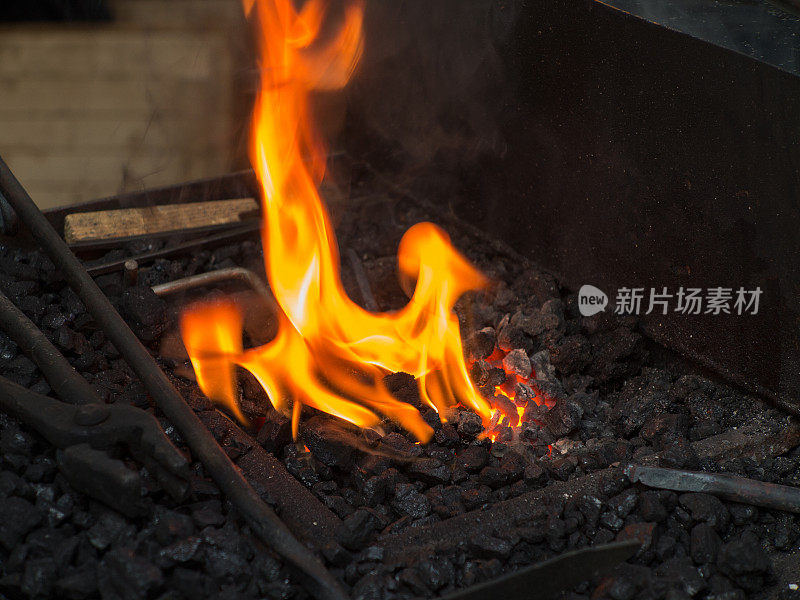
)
(329, 353)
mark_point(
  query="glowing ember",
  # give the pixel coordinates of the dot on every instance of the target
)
(329, 353)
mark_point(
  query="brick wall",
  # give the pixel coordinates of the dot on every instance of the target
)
(92, 110)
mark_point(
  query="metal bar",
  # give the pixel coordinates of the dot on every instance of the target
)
(227, 236)
(363, 282)
(730, 487)
(548, 579)
(264, 522)
(61, 376)
(212, 277)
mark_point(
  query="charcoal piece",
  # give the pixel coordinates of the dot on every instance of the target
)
(490, 547)
(680, 573)
(38, 577)
(562, 467)
(18, 518)
(481, 344)
(571, 355)
(224, 565)
(226, 539)
(15, 441)
(447, 436)
(40, 471)
(374, 490)
(494, 477)
(518, 363)
(430, 416)
(111, 284)
(742, 514)
(563, 418)
(21, 370)
(622, 588)
(785, 533)
(53, 318)
(513, 464)
(77, 584)
(651, 508)
(473, 458)
(178, 552)
(706, 508)
(705, 544)
(436, 572)
(327, 442)
(479, 372)
(411, 580)
(125, 575)
(550, 390)
(9, 482)
(409, 502)
(109, 528)
(505, 405)
(405, 388)
(641, 532)
(541, 367)
(32, 306)
(188, 582)
(512, 337)
(171, 526)
(476, 497)
(357, 529)
(469, 424)
(523, 395)
(446, 501)
(624, 503)
(144, 311)
(372, 553)
(639, 399)
(369, 587)
(208, 513)
(743, 555)
(701, 431)
(497, 377)
(430, 470)
(335, 554)
(611, 521)
(397, 443)
(664, 425)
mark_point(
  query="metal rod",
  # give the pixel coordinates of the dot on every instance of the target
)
(730, 487)
(212, 277)
(552, 577)
(61, 375)
(131, 272)
(227, 236)
(361, 280)
(264, 522)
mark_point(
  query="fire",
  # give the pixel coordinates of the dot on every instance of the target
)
(329, 353)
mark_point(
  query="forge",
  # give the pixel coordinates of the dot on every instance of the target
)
(523, 327)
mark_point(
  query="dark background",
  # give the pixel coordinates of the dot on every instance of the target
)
(609, 149)
(53, 10)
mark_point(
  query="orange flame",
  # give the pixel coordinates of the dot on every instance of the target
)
(329, 353)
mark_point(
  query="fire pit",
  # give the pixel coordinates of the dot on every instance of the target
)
(367, 398)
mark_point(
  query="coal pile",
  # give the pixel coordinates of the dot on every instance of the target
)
(405, 514)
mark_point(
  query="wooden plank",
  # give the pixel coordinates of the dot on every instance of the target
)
(108, 225)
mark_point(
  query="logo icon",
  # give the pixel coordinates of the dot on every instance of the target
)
(591, 300)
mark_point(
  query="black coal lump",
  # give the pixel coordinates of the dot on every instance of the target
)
(144, 311)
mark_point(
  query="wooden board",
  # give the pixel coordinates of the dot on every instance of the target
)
(108, 225)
